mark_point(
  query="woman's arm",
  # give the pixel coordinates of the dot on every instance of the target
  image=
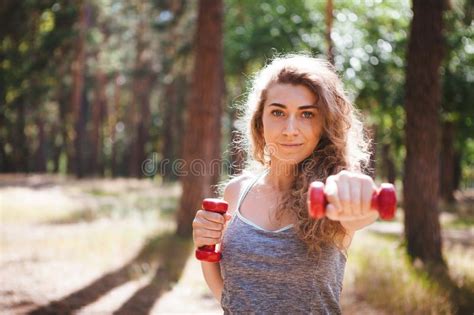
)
(213, 277)
(211, 271)
(354, 225)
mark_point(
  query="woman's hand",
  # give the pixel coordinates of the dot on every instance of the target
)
(349, 196)
(208, 227)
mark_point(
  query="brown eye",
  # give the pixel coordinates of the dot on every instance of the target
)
(308, 115)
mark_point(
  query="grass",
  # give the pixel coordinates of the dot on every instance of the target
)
(459, 222)
(384, 277)
(101, 193)
(73, 201)
(88, 220)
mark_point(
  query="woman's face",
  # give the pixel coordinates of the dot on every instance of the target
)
(292, 123)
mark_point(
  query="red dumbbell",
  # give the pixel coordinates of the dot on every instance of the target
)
(384, 201)
(208, 252)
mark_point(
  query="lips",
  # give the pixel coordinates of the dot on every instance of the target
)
(291, 144)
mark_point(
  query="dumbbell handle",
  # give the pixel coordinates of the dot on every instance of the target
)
(384, 200)
(208, 252)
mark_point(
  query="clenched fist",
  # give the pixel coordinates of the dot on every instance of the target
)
(208, 227)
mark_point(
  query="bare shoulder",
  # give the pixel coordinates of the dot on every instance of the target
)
(233, 189)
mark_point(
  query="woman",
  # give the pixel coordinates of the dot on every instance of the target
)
(299, 127)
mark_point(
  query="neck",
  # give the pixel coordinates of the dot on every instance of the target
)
(280, 175)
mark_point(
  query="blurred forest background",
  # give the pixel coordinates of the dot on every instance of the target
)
(96, 91)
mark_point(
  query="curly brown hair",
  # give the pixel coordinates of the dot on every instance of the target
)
(343, 144)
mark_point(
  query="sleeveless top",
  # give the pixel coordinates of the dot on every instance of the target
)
(271, 272)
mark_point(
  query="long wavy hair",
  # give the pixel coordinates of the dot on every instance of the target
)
(343, 144)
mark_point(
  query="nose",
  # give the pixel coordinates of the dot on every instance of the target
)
(291, 127)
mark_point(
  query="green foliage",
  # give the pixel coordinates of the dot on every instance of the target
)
(458, 82)
(370, 43)
(386, 278)
(254, 33)
(27, 47)
(34, 37)
(467, 166)
(370, 40)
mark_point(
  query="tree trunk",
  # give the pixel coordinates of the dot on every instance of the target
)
(78, 72)
(113, 120)
(177, 68)
(457, 176)
(60, 126)
(40, 154)
(203, 132)
(422, 101)
(99, 104)
(4, 159)
(170, 128)
(19, 140)
(447, 163)
(142, 83)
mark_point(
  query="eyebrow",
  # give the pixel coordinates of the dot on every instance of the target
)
(300, 107)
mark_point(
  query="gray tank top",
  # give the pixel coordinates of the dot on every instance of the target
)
(269, 272)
